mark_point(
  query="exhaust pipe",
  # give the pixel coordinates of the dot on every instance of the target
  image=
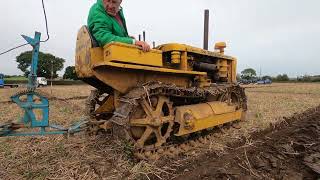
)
(206, 30)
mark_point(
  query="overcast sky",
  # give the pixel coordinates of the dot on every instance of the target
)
(280, 36)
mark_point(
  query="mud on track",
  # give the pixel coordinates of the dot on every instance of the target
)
(291, 150)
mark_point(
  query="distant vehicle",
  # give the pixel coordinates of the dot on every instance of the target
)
(42, 81)
(244, 81)
(2, 83)
(254, 80)
(266, 81)
(248, 81)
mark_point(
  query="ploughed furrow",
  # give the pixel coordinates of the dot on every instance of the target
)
(289, 150)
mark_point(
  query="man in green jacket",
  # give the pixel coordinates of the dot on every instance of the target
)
(107, 24)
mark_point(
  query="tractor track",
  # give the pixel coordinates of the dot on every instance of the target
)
(174, 150)
(170, 149)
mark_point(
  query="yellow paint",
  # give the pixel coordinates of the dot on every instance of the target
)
(96, 55)
(223, 68)
(97, 60)
(175, 57)
(190, 49)
(106, 107)
(82, 57)
(115, 57)
(234, 70)
(122, 79)
(226, 64)
(125, 53)
(123, 67)
(203, 110)
(147, 68)
(209, 122)
(220, 46)
(106, 125)
(203, 81)
(184, 62)
(193, 118)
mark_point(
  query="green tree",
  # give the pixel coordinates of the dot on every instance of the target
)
(305, 78)
(44, 64)
(70, 73)
(282, 77)
(248, 74)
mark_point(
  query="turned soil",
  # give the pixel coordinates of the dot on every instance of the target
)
(289, 150)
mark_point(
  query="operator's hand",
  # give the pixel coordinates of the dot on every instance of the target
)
(145, 46)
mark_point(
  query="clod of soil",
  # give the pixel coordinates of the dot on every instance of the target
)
(291, 150)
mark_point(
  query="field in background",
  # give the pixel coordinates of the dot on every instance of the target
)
(17, 78)
(96, 157)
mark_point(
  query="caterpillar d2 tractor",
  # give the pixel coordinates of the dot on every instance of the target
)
(164, 100)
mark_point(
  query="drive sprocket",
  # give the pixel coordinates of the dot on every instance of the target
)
(152, 122)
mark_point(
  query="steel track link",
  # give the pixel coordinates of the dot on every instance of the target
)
(174, 150)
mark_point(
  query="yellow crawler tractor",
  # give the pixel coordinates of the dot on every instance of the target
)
(161, 98)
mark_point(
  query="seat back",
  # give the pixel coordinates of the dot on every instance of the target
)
(85, 41)
(94, 42)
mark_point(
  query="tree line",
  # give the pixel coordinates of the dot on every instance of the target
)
(48, 66)
(251, 74)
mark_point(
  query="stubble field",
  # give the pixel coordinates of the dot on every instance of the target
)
(101, 157)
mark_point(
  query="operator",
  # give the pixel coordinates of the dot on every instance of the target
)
(107, 24)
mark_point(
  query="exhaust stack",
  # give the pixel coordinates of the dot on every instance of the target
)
(206, 29)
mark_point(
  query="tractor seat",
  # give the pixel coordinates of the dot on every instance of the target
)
(94, 42)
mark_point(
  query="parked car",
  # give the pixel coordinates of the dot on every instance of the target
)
(260, 82)
(266, 81)
(42, 81)
(1, 80)
(248, 81)
(244, 81)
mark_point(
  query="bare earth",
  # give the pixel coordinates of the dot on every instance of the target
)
(290, 150)
(83, 157)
